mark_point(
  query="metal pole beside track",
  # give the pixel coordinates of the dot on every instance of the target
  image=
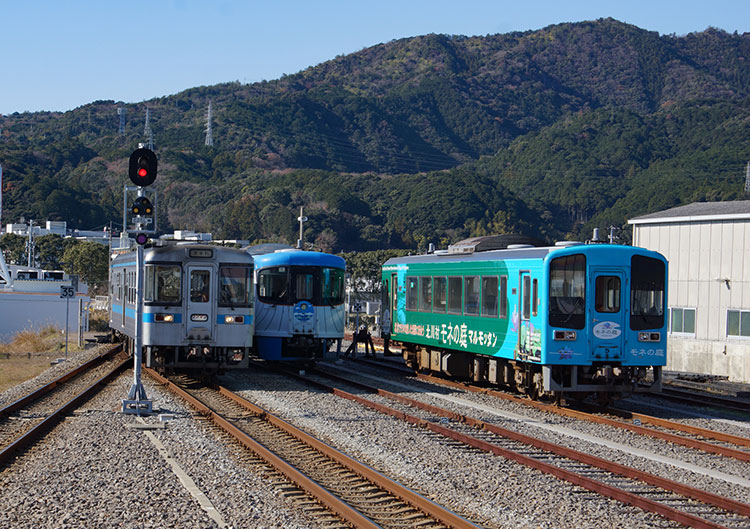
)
(137, 401)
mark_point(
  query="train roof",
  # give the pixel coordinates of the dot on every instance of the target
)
(299, 258)
(514, 253)
(182, 251)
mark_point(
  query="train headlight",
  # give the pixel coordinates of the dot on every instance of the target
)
(568, 336)
(649, 336)
(166, 318)
(234, 319)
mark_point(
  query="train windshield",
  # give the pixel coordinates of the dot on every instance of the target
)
(567, 292)
(287, 285)
(646, 293)
(235, 286)
(162, 284)
(272, 285)
(332, 282)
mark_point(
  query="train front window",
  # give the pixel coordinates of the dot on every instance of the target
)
(607, 294)
(646, 293)
(332, 282)
(162, 284)
(200, 286)
(567, 292)
(235, 284)
(272, 283)
(304, 284)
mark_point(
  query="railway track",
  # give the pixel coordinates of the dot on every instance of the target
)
(682, 434)
(27, 419)
(675, 501)
(350, 492)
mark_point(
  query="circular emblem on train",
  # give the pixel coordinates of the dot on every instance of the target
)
(607, 330)
(303, 311)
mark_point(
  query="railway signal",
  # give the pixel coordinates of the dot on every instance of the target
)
(142, 207)
(142, 168)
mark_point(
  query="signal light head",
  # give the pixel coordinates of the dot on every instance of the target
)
(141, 238)
(142, 206)
(142, 168)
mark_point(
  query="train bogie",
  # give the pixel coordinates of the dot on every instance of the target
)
(575, 319)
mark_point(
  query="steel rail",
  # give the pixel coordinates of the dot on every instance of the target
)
(696, 444)
(7, 453)
(588, 483)
(686, 428)
(38, 393)
(703, 399)
(332, 502)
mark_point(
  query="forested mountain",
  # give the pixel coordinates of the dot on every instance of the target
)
(426, 139)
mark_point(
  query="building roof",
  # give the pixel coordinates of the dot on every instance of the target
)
(698, 212)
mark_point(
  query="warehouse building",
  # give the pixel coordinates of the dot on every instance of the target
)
(707, 245)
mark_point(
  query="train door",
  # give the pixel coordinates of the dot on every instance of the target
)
(529, 338)
(394, 301)
(303, 296)
(607, 317)
(199, 306)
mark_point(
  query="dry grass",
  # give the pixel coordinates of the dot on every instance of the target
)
(30, 353)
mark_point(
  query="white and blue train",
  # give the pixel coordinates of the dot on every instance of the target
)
(198, 306)
(299, 304)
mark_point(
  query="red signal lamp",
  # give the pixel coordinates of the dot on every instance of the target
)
(142, 167)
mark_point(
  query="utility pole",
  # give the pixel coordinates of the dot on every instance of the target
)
(747, 178)
(209, 127)
(302, 219)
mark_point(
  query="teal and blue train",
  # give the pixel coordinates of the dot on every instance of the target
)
(572, 318)
(300, 304)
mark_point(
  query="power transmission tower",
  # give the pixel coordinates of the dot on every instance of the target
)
(147, 132)
(121, 111)
(209, 129)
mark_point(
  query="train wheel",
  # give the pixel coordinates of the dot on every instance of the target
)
(603, 398)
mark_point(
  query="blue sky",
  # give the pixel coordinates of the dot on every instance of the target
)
(61, 54)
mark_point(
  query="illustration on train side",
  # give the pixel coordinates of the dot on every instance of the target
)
(573, 318)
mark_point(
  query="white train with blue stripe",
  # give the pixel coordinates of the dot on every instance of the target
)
(299, 304)
(198, 306)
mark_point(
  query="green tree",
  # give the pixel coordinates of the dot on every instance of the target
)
(89, 260)
(49, 250)
(14, 248)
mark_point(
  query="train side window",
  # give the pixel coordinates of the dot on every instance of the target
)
(454, 295)
(535, 297)
(471, 295)
(504, 296)
(489, 296)
(425, 294)
(412, 293)
(439, 297)
(272, 285)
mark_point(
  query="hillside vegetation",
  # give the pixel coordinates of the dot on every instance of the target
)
(426, 139)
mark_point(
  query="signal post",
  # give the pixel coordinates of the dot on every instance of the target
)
(142, 222)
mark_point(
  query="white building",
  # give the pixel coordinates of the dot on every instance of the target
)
(707, 245)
